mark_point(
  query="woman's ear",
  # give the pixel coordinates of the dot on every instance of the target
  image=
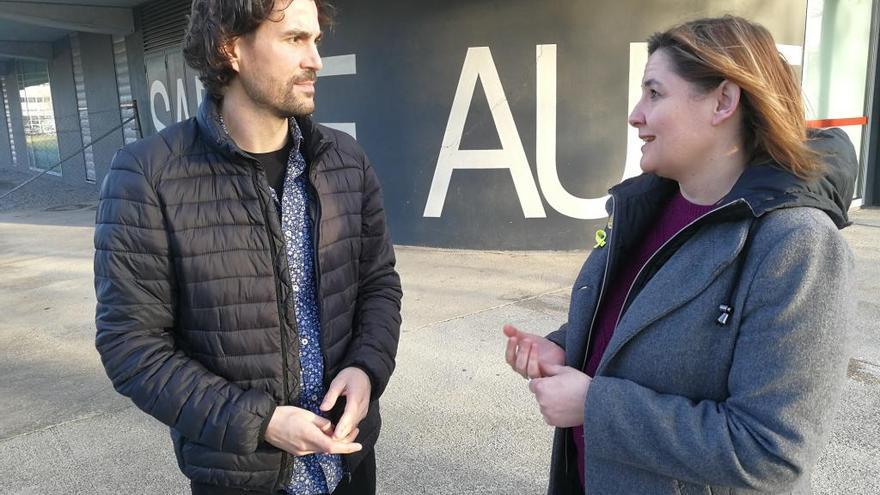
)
(727, 96)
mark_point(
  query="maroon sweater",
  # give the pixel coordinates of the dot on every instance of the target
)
(676, 214)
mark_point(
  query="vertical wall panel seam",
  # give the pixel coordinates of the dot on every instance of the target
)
(82, 107)
(9, 127)
(123, 84)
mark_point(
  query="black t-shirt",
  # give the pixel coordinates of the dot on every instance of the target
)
(275, 164)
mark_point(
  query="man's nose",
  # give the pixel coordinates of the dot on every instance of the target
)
(313, 59)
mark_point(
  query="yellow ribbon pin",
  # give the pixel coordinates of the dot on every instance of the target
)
(600, 238)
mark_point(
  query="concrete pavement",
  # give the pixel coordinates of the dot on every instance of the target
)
(456, 420)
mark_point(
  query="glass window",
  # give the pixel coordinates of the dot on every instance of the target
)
(37, 115)
(835, 72)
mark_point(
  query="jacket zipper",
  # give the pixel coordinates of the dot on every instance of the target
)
(287, 392)
(593, 321)
(629, 291)
(601, 290)
(316, 262)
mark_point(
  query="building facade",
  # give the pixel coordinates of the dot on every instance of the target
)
(493, 125)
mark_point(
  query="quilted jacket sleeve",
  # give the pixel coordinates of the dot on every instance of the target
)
(377, 314)
(135, 319)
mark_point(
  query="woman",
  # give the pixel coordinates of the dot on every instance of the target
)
(704, 350)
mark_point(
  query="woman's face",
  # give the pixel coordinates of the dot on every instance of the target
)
(674, 120)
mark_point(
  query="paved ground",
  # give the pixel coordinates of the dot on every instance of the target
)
(45, 192)
(456, 420)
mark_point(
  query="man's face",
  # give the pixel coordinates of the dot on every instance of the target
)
(278, 63)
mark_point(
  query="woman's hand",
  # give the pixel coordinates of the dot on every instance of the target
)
(561, 395)
(526, 352)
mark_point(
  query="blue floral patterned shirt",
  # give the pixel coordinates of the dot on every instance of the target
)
(316, 473)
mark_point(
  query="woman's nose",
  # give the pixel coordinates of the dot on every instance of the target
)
(636, 117)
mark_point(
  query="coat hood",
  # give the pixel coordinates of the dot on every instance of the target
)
(767, 186)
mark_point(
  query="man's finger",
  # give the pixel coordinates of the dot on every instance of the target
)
(346, 422)
(351, 436)
(323, 424)
(345, 448)
(332, 395)
(316, 440)
(342, 428)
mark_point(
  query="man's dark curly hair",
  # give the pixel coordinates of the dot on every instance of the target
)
(214, 23)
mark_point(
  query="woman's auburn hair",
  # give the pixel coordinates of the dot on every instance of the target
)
(706, 52)
(214, 24)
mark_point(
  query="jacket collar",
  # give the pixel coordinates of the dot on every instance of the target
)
(315, 139)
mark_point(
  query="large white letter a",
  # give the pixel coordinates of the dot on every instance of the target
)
(478, 64)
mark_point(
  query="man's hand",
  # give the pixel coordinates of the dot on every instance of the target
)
(526, 352)
(354, 384)
(561, 395)
(300, 432)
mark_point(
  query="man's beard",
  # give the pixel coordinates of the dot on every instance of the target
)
(284, 103)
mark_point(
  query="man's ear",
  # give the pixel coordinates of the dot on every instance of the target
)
(727, 96)
(233, 52)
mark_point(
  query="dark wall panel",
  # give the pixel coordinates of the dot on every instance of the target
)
(103, 98)
(409, 59)
(64, 103)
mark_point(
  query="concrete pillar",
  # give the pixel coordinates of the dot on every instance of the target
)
(5, 150)
(134, 45)
(14, 112)
(66, 114)
(102, 98)
(872, 161)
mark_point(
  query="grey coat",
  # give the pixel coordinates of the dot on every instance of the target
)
(683, 405)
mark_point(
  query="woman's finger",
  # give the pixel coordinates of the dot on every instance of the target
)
(532, 368)
(510, 352)
(522, 358)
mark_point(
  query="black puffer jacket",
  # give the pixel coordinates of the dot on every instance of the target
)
(194, 320)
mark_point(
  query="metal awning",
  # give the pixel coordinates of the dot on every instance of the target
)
(28, 27)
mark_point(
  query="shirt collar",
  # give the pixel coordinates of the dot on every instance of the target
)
(292, 126)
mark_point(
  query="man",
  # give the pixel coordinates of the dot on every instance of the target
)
(245, 278)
